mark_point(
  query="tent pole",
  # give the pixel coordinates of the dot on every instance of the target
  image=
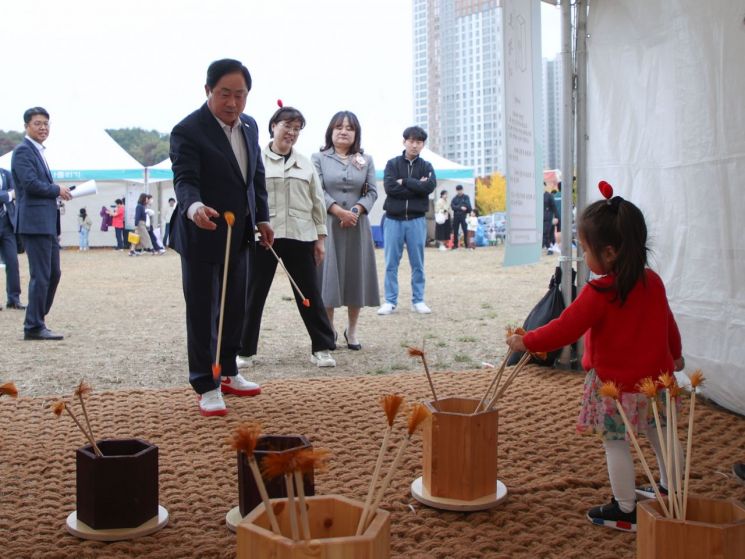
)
(567, 136)
(583, 7)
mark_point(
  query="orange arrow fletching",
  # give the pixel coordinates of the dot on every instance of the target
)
(229, 218)
(216, 370)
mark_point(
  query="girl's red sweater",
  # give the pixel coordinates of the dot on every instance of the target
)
(623, 344)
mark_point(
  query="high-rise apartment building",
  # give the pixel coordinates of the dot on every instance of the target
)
(458, 80)
(551, 113)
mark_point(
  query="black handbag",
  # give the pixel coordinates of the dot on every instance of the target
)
(549, 307)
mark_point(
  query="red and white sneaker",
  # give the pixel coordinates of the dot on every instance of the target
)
(211, 403)
(239, 386)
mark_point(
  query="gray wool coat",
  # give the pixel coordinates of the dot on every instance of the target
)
(348, 276)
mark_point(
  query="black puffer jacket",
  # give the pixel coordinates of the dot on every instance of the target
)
(410, 199)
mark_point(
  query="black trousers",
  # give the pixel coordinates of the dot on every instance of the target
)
(45, 272)
(459, 220)
(548, 233)
(9, 251)
(298, 259)
(202, 284)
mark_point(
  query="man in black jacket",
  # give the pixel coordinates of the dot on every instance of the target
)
(217, 167)
(8, 242)
(408, 181)
(461, 206)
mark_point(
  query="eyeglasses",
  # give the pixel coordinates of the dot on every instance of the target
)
(287, 126)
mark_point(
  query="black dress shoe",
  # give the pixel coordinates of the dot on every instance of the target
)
(353, 347)
(15, 306)
(43, 334)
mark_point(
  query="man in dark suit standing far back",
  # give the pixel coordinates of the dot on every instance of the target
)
(8, 243)
(217, 167)
(38, 222)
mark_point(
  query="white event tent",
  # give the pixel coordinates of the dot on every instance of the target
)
(666, 127)
(77, 153)
(449, 174)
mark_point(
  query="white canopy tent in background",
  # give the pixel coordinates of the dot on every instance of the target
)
(449, 175)
(666, 127)
(77, 153)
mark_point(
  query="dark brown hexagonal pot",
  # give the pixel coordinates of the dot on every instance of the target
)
(248, 494)
(120, 488)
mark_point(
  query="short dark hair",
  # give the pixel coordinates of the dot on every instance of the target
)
(285, 113)
(443, 192)
(220, 68)
(337, 119)
(118, 201)
(415, 133)
(142, 199)
(172, 199)
(459, 187)
(32, 112)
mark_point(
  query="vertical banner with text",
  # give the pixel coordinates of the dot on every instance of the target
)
(522, 48)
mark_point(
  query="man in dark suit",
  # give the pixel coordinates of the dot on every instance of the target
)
(8, 242)
(217, 167)
(38, 222)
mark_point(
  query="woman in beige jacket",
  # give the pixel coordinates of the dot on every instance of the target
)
(298, 218)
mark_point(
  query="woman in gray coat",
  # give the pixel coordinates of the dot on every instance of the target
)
(348, 276)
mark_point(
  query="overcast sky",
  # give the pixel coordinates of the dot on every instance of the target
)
(142, 63)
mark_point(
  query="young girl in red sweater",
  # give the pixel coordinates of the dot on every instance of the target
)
(630, 333)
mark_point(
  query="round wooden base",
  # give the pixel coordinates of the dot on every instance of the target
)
(233, 518)
(82, 530)
(419, 492)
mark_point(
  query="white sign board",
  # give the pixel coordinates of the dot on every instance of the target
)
(520, 44)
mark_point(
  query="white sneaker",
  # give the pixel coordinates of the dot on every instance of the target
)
(443, 248)
(244, 362)
(421, 308)
(239, 386)
(211, 403)
(323, 359)
(387, 308)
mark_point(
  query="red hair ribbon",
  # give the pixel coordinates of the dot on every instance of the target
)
(279, 103)
(606, 190)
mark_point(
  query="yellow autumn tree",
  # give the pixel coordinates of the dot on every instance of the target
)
(491, 194)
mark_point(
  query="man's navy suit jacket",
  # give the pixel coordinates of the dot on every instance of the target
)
(36, 193)
(10, 206)
(205, 170)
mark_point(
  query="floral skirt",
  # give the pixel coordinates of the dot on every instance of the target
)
(599, 416)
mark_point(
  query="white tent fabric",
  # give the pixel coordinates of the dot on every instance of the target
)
(77, 153)
(449, 174)
(666, 124)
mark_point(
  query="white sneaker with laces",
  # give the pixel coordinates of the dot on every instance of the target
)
(323, 359)
(239, 386)
(244, 362)
(211, 403)
(421, 308)
(387, 308)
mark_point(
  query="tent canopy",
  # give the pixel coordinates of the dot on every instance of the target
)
(79, 153)
(666, 127)
(444, 168)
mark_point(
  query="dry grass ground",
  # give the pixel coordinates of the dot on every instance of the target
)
(123, 320)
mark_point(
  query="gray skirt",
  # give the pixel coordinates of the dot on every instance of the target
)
(349, 276)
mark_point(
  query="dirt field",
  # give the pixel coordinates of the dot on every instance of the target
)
(123, 321)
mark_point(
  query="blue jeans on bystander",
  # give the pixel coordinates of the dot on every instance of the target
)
(413, 233)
